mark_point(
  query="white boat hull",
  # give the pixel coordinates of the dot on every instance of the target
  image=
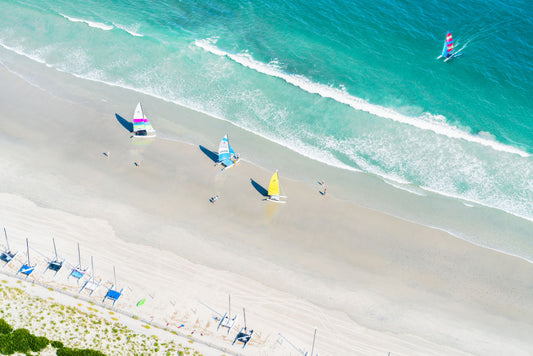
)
(144, 136)
(276, 201)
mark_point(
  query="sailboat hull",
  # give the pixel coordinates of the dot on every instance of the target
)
(276, 200)
(228, 163)
(145, 135)
(453, 56)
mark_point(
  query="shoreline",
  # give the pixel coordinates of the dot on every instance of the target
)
(356, 265)
(477, 223)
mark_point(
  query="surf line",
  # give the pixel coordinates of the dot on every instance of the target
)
(99, 25)
(344, 97)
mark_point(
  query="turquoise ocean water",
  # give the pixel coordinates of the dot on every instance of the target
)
(354, 84)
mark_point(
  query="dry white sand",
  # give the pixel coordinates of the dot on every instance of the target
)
(370, 283)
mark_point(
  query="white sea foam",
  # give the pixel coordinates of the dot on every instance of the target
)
(94, 24)
(466, 200)
(128, 30)
(435, 123)
(28, 55)
(294, 144)
(408, 188)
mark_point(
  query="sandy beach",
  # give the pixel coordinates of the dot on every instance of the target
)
(369, 282)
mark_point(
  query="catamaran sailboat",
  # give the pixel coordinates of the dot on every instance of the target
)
(273, 189)
(7, 255)
(226, 155)
(448, 51)
(141, 125)
(27, 268)
(243, 335)
(78, 271)
(55, 264)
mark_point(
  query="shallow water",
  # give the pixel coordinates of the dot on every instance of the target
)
(353, 85)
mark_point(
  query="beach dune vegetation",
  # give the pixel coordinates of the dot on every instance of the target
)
(5, 328)
(78, 352)
(21, 340)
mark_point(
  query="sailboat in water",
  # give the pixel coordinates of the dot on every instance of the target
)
(448, 51)
(226, 155)
(141, 125)
(274, 189)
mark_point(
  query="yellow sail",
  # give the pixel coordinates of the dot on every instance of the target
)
(273, 187)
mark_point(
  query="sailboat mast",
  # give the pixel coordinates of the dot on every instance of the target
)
(229, 306)
(7, 242)
(244, 315)
(55, 250)
(115, 276)
(28, 250)
(313, 347)
(92, 268)
(79, 255)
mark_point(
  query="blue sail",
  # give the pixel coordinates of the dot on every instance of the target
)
(225, 152)
(444, 50)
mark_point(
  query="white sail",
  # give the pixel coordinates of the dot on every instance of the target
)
(141, 125)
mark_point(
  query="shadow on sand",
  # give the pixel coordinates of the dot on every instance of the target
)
(259, 188)
(209, 153)
(127, 125)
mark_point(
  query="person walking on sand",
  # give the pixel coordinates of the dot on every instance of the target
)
(325, 191)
